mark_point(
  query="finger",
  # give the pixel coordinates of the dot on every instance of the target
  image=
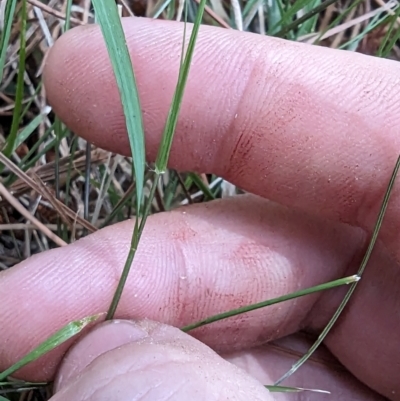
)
(191, 263)
(303, 125)
(158, 362)
(321, 372)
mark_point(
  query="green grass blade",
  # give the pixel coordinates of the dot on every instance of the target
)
(304, 18)
(309, 25)
(3, 398)
(110, 23)
(162, 157)
(374, 23)
(202, 186)
(353, 286)
(5, 35)
(12, 136)
(273, 301)
(384, 50)
(28, 131)
(338, 19)
(284, 389)
(68, 16)
(172, 119)
(292, 11)
(61, 336)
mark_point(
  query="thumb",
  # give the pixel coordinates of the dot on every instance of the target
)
(146, 361)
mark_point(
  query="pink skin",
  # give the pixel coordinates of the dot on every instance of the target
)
(313, 130)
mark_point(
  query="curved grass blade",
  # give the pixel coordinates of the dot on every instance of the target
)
(263, 304)
(61, 336)
(353, 286)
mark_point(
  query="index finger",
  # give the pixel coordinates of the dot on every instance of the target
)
(306, 126)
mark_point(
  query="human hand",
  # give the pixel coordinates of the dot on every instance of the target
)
(313, 130)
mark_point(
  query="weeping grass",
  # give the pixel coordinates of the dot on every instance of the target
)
(281, 23)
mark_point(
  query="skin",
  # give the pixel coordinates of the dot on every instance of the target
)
(312, 134)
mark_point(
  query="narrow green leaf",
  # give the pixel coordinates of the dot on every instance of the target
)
(5, 35)
(28, 130)
(162, 158)
(304, 18)
(353, 286)
(338, 19)
(172, 119)
(291, 12)
(376, 21)
(203, 187)
(383, 48)
(309, 25)
(67, 332)
(3, 398)
(263, 304)
(68, 16)
(12, 136)
(283, 389)
(110, 23)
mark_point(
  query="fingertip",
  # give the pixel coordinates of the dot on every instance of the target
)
(103, 338)
(150, 360)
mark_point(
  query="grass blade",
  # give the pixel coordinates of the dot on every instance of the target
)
(172, 119)
(68, 16)
(5, 35)
(110, 23)
(202, 186)
(353, 286)
(384, 50)
(263, 304)
(61, 336)
(304, 18)
(162, 157)
(284, 389)
(28, 130)
(107, 16)
(12, 136)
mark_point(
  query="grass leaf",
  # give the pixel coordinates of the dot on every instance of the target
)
(273, 301)
(110, 23)
(61, 336)
(353, 286)
(284, 389)
(5, 35)
(162, 157)
(304, 18)
(172, 119)
(12, 136)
